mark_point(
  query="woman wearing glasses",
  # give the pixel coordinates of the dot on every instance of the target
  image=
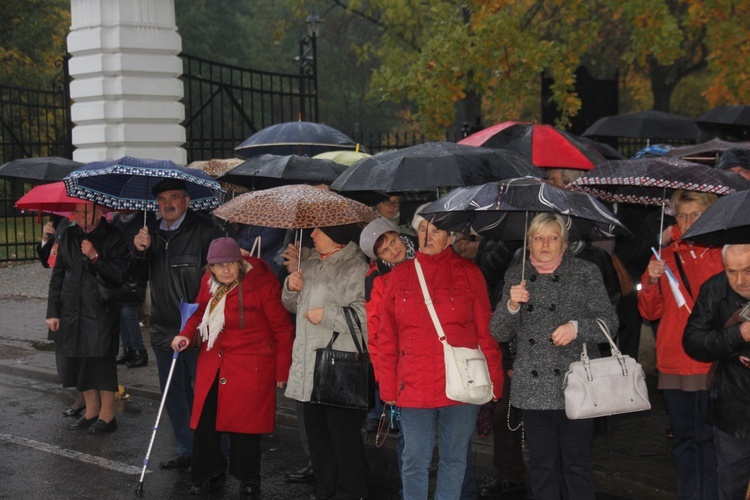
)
(681, 378)
(391, 209)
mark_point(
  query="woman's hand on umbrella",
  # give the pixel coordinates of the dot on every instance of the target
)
(180, 343)
(564, 334)
(315, 316)
(87, 249)
(47, 232)
(290, 256)
(295, 283)
(655, 271)
(518, 295)
(142, 240)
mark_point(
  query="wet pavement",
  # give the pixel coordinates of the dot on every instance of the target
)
(632, 459)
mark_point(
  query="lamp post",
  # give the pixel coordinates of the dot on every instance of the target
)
(308, 66)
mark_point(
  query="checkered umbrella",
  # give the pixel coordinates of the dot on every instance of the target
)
(126, 184)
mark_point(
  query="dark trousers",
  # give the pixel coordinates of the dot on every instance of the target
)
(629, 334)
(733, 457)
(561, 455)
(507, 454)
(693, 445)
(208, 458)
(336, 450)
(179, 402)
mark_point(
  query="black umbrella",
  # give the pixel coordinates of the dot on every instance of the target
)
(727, 115)
(645, 124)
(725, 222)
(707, 152)
(44, 168)
(295, 138)
(433, 165)
(267, 171)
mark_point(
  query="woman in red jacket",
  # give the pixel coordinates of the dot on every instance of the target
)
(246, 335)
(681, 378)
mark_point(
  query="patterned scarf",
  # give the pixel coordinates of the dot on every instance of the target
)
(213, 318)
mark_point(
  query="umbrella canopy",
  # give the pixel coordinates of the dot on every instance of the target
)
(347, 158)
(544, 145)
(503, 209)
(267, 171)
(126, 184)
(607, 151)
(651, 181)
(727, 115)
(296, 206)
(50, 198)
(645, 124)
(432, 165)
(725, 222)
(45, 168)
(707, 152)
(217, 167)
(295, 138)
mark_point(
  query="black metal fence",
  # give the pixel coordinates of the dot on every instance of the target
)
(376, 142)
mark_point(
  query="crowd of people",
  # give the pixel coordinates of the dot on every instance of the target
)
(530, 308)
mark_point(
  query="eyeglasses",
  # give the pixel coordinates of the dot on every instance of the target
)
(392, 204)
(692, 216)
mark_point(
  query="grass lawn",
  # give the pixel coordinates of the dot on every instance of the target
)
(19, 237)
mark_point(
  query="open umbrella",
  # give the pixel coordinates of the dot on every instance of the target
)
(347, 158)
(216, 167)
(295, 138)
(126, 184)
(49, 198)
(267, 171)
(45, 168)
(295, 206)
(726, 222)
(707, 152)
(544, 145)
(433, 165)
(730, 120)
(644, 124)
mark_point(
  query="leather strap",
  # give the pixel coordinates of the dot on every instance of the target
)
(678, 263)
(428, 303)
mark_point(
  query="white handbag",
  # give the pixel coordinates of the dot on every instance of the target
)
(467, 376)
(605, 386)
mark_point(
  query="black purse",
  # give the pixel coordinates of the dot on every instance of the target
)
(341, 378)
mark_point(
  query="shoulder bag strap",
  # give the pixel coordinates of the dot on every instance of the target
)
(678, 263)
(428, 303)
(605, 331)
(352, 320)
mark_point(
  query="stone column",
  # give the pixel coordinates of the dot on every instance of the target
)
(126, 86)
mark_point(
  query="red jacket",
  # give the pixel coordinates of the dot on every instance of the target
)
(410, 363)
(657, 302)
(248, 362)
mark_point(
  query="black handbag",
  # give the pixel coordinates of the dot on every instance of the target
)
(341, 378)
(128, 292)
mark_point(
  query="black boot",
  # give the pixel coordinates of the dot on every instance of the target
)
(140, 358)
(127, 355)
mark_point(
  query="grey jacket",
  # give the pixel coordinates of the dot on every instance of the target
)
(575, 291)
(334, 283)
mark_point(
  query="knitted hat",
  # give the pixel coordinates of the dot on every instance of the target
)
(417, 219)
(169, 185)
(341, 234)
(223, 250)
(372, 232)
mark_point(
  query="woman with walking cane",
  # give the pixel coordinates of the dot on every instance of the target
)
(246, 349)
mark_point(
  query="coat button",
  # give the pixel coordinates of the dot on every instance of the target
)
(534, 373)
(532, 341)
(532, 278)
(555, 278)
(552, 307)
(529, 307)
(222, 380)
(556, 371)
(219, 353)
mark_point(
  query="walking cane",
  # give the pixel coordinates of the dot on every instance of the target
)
(139, 490)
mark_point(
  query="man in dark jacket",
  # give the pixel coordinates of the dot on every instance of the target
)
(718, 331)
(175, 250)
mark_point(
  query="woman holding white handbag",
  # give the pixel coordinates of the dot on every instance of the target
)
(551, 312)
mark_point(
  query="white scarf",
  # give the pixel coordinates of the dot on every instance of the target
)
(213, 321)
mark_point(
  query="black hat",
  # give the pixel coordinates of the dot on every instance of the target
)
(169, 185)
(734, 157)
(342, 234)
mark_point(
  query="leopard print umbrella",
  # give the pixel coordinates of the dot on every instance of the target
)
(294, 207)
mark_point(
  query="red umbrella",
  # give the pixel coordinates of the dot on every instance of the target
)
(50, 198)
(544, 145)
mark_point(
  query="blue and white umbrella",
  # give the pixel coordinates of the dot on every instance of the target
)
(126, 184)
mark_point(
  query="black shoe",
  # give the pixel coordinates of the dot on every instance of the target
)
(201, 488)
(178, 462)
(303, 475)
(83, 423)
(249, 489)
(140, 358)
(70, 412)
(102, 427)
(127, 355)
(500, 487)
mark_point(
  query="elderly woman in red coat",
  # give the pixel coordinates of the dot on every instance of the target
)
(246, 351)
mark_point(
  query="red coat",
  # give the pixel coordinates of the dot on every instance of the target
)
(410, 363)
(657, 302)
(248, 362)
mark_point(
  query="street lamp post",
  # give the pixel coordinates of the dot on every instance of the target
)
(308, 66)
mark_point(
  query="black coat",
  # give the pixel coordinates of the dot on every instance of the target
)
(176, 261)
(706, 339)
(88, 326)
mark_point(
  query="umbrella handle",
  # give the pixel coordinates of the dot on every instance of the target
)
(299, 249)
(523, 256)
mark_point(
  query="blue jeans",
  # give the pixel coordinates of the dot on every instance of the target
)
(455, 425)
(693, 448)
(130, 328)
(733, 457)
(179, 402)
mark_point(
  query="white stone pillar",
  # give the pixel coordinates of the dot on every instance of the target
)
(126, 86)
